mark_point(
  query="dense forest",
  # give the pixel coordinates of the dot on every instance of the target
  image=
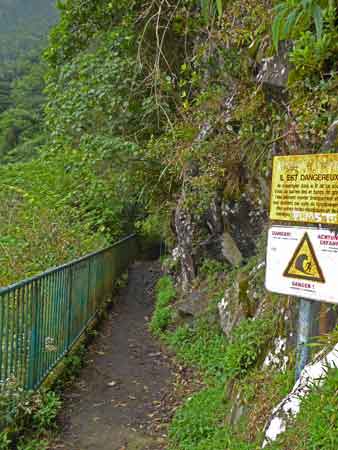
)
(23, 35)
(163, 117)
(23, 25)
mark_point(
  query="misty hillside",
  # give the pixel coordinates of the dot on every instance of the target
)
(22, 25)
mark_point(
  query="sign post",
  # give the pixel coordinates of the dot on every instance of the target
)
(302, 252)
(306, 319)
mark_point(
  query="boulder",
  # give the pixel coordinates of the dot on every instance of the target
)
(274, 72)
(235, 306)
(230, 250)
(192, 304)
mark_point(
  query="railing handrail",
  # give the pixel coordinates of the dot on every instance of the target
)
(43, 316)
(22, 283)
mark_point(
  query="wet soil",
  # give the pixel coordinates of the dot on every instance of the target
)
(117, 402)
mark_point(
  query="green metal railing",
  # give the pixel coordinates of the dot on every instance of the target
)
(42, 317)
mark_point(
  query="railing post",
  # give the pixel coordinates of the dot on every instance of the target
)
(33, 359)
(88, 306)
(70, 295)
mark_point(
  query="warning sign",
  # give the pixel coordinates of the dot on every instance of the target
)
(305, 189)
(303, 262)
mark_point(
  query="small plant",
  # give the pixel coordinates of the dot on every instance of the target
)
(33, 445)
(73, 363)
(4, 440)
(211, 7)
(44, 417)
(25, 412)
(316, 426)
(211, 268)
(160, 320)
(165, 293)
(247, 343)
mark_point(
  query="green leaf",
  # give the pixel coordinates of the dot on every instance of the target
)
(219, 4)
(318, 18)
(276, 29)
(289, 24)
(205, 8)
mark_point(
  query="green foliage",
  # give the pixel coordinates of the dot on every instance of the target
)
(206, 347)
(316, 425)
(311, 56)
(160, 321)
(33, 444)
(203, 345)
(294, 16)
(21, 108)
(210, 270)
(26, 413)
(197, 419)
(44, 417)
(211, 7)
(162, 317)
(4, 440)
(49, 211)
(248, 341)
(199, 424)
(79, 24)
(224, 439)
(166, 291)
(99, 93)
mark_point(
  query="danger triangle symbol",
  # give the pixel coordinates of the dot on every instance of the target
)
(304, 263)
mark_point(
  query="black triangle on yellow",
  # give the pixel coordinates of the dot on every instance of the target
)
(304, 263)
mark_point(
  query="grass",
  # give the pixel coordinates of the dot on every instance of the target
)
(198, 419)
(162, 317)
(205, 346)
(232, 369)
(316, 427)
(200, 422)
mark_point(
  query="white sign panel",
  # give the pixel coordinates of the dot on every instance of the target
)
(303, 262)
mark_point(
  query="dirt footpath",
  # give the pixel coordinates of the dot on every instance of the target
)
(116, 404)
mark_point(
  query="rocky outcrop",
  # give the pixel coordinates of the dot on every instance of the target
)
(331, 140)
(193, 304)
(274, 71)
(184, 229)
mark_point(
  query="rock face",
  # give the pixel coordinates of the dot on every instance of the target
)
(231, 230)
(331, 140)
(274, 71)
(231, 310)
(230, 250)
(184, 229)
(193, 304)
(226, 232)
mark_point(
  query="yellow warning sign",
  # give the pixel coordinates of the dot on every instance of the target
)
(305, 188)
(304, 263)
